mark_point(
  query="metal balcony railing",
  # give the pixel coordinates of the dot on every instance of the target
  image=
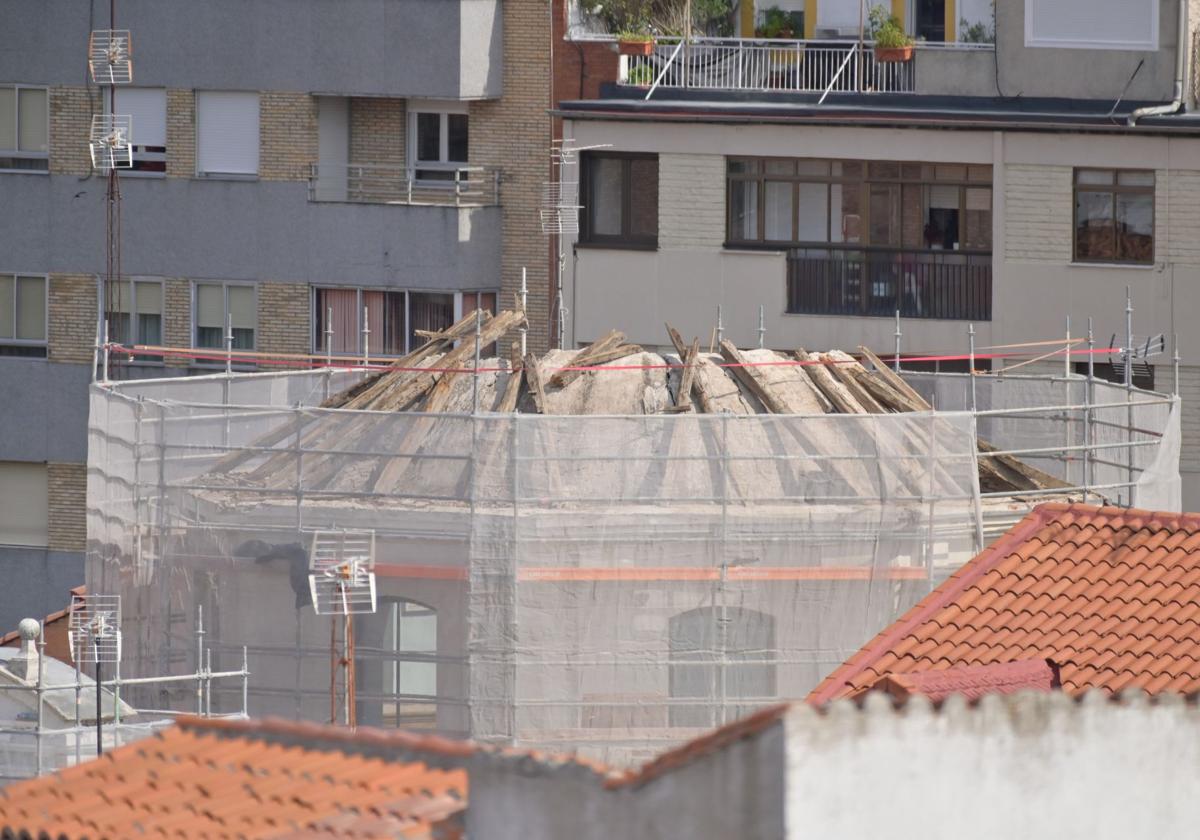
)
(464, 186)
(951, 285)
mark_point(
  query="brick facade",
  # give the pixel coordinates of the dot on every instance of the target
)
(177, 316)
(181, 133)
(283, 318)
(287, 136)
(377, 131)
(72, 317)
(691, 201)
(66, 491)
(1039, 209)
(513, 133)
(71, 110)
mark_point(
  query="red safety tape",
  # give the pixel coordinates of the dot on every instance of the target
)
(241, 358)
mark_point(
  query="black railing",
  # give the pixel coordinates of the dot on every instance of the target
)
(949, 285)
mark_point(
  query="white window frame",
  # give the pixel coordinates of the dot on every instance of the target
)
(15, 153)
(1033, 40)
(315, 316)
(143, 156)
(30, 342)
(102, 308)
(229, 176)
(225, 285)
(443, 108)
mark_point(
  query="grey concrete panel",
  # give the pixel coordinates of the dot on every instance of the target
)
(43, 416)
(264, 230)
(433, 48)
(37, 582)
(955, 72)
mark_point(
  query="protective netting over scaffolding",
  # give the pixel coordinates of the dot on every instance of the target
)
(611, 584)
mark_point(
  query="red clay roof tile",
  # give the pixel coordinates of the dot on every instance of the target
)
(1097, 590)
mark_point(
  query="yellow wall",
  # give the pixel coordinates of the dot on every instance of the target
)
(810, 18)
(951, 21)
(746, 19)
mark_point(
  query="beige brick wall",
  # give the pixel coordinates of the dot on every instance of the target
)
(283, 318)
(181, 133)
(377, 131)
(287, 136)
(691, 201)
(66, 491)
(177, 316)
(1189, 394)
(72, 318)
(513, 133)
(1039, 210)
(1177, 216)
(71, 110)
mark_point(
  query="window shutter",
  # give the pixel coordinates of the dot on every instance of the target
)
(210, 308)
(148, 108)
(8, 118)
(226, 133)
(31, 308)
(31, 120)
(149, 298)
(24, 518)
(241, 307)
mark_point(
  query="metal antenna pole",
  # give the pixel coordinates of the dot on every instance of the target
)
(99, 716)
(896, 358)
(762, 329)
(1068, 401)
(720, 325)
(329, 337)
(41, 683)
(1175, 362)
(524, 300)
(475, 381)
(366, 338)
(228, 343)
(199, 659)
(1087, 411)
(1129, 392)
(104, 374)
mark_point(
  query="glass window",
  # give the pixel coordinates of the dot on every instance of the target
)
(134, 312)
(777, 211)
(217, 302)
(396, 318)
(24, 504)
(397, 665)
(812, 212)
(620, 200)
(22, 315)
(1114, 216)
(438, 141)
(24, 128)
(743, 211)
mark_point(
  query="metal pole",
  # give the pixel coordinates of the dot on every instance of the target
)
(78, 702)
(96, 348)
(720, 325)
(1129, 393)
(1088, 466)
(1175, 362)
(245, 682)
(199, 659)
(475, 381)
(896, 358)
(228, 343)
(1067, 414)
(208, 683)
(524, 296)
(366, 338)
(99, 691)
(762, 329)
(329, 337)
(971, 363)
(41, 682)
(104, 373)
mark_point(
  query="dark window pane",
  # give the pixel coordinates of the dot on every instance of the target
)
(977, 233)
(777, 211)
(429, 136)
(605, 194)
(1135, 227)
(643, 197)
(456, 138)
(1094, 226)
(743, 212)
(149, 328)
(429, 311)
(884, 214)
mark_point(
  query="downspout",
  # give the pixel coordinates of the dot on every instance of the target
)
(1180, 53)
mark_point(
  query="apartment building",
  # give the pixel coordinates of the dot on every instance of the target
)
(321, 178)
(1003, 184)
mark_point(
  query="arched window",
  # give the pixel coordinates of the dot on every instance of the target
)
(396, 665)
(720, 656)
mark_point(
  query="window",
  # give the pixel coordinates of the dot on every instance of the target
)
(620, 200)
(718, 654)
(134, 312)
(1092, 24)
(437, 139)
(226, 133)
(24, 128)
(217, 301)
(22, 315)
(912, 206)
(397, 665)
(1114, 216)
(148, 109)
(394, 317)
(24, 517)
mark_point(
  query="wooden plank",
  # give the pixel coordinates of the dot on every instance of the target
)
(803, 372)
(587, 356)
(750, 378)
(1013, 466)
(683, 399)
(512, 388)
(704, 397)
(837, 393)
(533, 377)
(894, 380)
(848, 371)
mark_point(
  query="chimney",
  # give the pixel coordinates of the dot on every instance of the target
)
(24, 665)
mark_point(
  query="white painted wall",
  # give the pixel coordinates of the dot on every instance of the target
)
(1029, 766)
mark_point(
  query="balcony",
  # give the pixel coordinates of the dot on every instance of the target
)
(465, 186)
(945, 285)
(817, 67)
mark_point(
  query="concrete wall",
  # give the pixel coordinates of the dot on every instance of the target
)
(38, 581)
(436, 48)
(45, 418)
(1030, 765)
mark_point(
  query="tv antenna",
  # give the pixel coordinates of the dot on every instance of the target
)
(110, 64)
(94, 635)
(341, 581)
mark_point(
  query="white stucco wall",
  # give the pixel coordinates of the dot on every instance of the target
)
(1029, 766)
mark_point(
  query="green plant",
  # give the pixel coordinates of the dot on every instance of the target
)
(886, 30)
(665, 17)
(776, 24)
(631, 35)
(642, 75)
(981, 32)
(625, 16)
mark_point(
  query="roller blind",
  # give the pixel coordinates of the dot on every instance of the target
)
(8, 118)
(210, 305)
(241, 307)
(7, 306)
(31, 308)
(148, 108)
(226, 133)
(32, 120)
(23, 504)
(1092, 24)
(149, 298)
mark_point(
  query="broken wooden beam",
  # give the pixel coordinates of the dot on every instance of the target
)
(683, 399)
(834, 390)
(587, 356)
(533, 378)
(512, 388)
(894, 379)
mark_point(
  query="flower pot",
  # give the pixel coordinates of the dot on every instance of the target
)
(643, 48)
(886, 54)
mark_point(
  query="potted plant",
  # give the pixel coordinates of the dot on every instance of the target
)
(635, 43)
(776, 24)
(640, 76)
(892, 43)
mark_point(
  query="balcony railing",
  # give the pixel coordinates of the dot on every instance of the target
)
(466, 186)
(948, 285)
(769, 65)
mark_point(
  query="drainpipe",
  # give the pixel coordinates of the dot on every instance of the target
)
(1180, 52)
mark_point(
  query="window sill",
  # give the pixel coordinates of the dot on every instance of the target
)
(224, 176)
(6, 171)
(1130, 266)
(618, 246)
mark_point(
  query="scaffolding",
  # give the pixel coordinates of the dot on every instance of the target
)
(606, 584)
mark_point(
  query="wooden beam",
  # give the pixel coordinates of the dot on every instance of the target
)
(751, 378)
(587, 356)
(894, 379)
(837, 393)
(533, 377)
(848, 371)
(704, 398)
(683, 399)
(512, 388)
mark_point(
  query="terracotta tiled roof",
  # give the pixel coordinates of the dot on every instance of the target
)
(1111, 596)
(266, 779)
(971, 681)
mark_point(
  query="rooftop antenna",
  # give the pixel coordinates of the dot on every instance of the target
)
(341, 580)
(559, 215)
(94, 634)
(110, 64)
